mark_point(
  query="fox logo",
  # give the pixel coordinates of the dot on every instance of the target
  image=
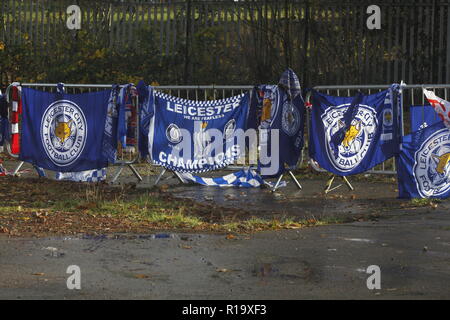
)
(432, 165)
(351, 134)
(442, 162)
(63, 130)
(348, 143)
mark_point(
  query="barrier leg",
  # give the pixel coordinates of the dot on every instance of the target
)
(163, 171)
(328, 187)
(349, 185)
(277, 183)
(118, 173)
(136, 173)
(295, 180)
(178, 176)
(330, 183)
(132, 168)
(18, 168)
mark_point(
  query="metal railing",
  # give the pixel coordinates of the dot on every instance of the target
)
(412, 95)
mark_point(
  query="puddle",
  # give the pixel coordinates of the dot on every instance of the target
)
(359, 240)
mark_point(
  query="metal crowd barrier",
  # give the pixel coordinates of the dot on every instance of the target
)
(126, 157)
(412, 95)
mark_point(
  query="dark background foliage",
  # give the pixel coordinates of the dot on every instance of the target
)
(224, 42)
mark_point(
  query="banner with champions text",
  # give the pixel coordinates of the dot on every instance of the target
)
(195, 136)
(64, 132)
(350, 135)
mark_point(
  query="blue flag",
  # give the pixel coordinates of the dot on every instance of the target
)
(64, 132)
(422, 117)
(4, 131)
(350, 135)
(423, 166)
(195, 136)
(285, 113)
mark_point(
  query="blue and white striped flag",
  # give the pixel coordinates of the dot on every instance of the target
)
(83, 176)
(245, 178)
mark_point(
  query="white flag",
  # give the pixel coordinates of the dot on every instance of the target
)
(439, 105)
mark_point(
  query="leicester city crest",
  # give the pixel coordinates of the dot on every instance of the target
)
(388, 117)
(432, 165)
(347, 152)
(63, 132)
(290, 122)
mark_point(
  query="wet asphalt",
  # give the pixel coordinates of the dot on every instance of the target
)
(411, 248)
(327, 262)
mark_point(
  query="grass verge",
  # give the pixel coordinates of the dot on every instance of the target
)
(40, 207)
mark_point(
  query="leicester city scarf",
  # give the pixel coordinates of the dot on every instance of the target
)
(245, 178)
(196, 136)
(83, 176)
(350, 135)
(284, 113)
(146, 99)
(423, 166)
(64, 132)
(278, 111)
(127, 117)
(110, 139)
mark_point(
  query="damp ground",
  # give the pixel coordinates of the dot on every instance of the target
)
(214, 243)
